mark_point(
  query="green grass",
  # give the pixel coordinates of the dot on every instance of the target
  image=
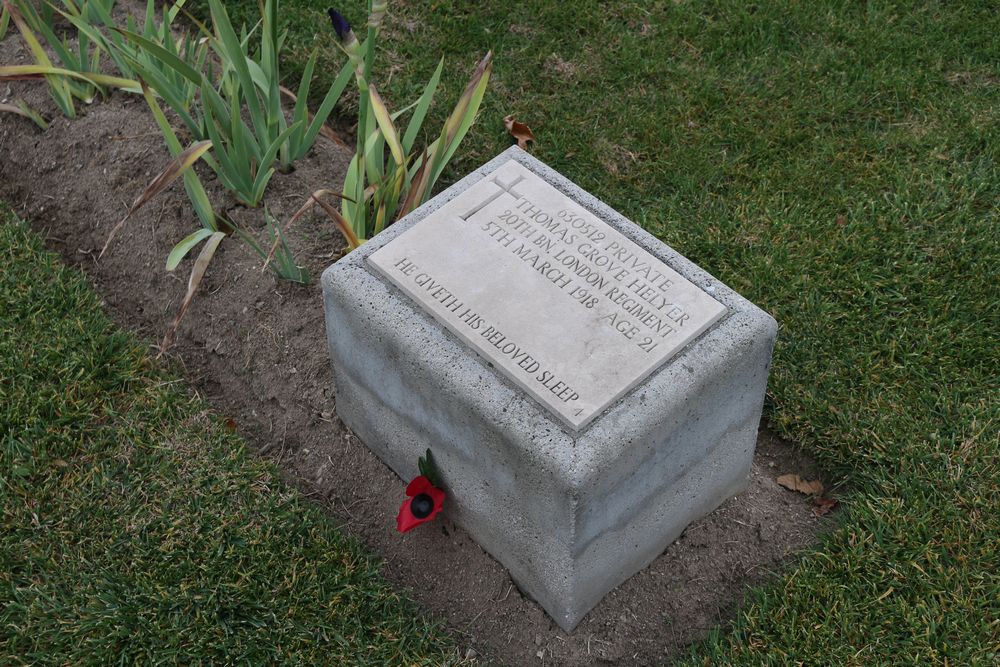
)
(838, 164)
(136, 529)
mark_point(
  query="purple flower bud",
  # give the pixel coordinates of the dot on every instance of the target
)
(340, 24)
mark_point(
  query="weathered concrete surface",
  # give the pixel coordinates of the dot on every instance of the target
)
(570, 515)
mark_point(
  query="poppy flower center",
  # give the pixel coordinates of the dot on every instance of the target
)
(422, 505)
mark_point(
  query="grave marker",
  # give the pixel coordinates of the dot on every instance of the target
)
(586, 390)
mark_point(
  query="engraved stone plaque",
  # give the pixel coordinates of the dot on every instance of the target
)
(564, 305)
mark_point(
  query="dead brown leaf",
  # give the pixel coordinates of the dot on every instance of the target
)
(823, 506)
(796, 483)
(314, 199)
(519, 131)
(174, 170)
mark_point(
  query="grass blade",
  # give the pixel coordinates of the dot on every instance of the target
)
(174, 169)
(197, 273)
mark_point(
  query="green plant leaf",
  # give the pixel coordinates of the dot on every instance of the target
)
(423, 104)
(325, 109)
(463, 116)
(192, 184)
(386, 125)
(171, 60)
(429, 469)
(352, 183)
(4, 22)
(284, 266)
(13, 72)
(57, 85)
(85, 28)
(234, 178)
(21, 108)
(300, 112)
(267, 160)
(168, 91)
(260, 80)
(185, 245)
(197, 273)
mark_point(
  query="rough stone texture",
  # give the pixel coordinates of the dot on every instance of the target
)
(571, 515)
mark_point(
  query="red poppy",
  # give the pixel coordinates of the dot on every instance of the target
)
(423, 502)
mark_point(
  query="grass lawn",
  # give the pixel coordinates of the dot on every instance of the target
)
(839, 164)
(136, 529)
(836, 163)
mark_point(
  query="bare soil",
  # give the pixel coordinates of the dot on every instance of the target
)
(254, 347)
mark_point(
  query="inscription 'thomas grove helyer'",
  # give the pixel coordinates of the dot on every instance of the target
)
(559, 301)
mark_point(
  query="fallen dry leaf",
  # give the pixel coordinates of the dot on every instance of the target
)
(823, 505)
(796, 483)
(519, 131)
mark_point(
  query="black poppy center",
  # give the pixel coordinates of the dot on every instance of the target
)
(422, 505)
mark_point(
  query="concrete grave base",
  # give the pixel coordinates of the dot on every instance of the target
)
(571, 514)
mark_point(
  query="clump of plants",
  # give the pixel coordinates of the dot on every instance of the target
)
(147, 51)
(78, 77)
(244, 155)
(388, 178)
(225, 88)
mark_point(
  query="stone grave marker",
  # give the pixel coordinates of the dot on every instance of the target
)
(587, 392)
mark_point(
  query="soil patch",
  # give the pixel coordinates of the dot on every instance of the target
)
(254, 347)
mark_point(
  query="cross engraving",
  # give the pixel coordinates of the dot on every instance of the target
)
(505, 188)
